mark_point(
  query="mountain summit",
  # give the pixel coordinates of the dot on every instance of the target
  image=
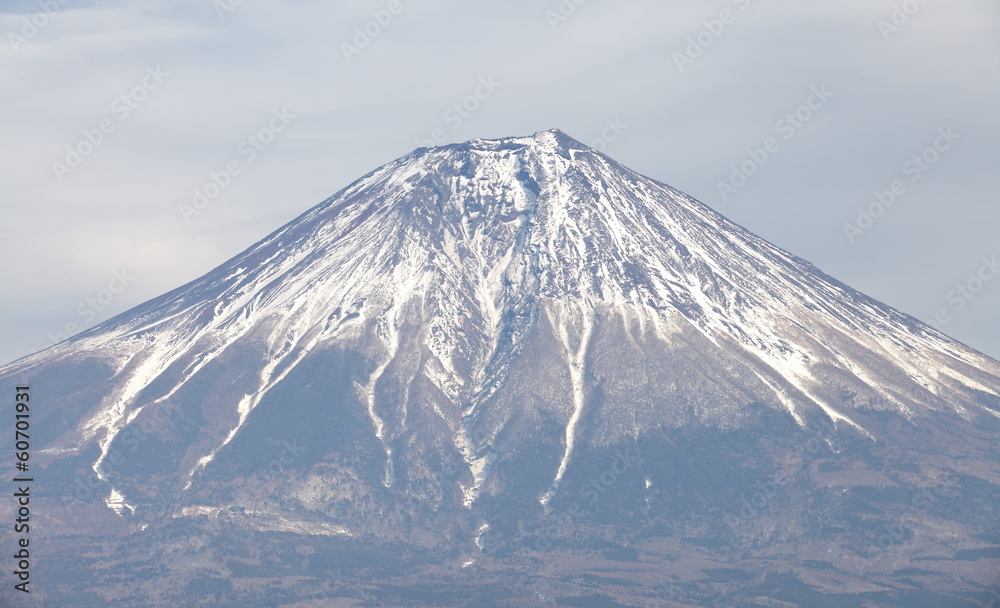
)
(476, 340)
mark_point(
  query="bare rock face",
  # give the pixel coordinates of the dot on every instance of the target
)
(513, 373)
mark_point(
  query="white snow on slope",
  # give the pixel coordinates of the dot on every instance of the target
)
(463, 245)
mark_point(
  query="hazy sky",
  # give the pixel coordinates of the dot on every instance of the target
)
(115, 113)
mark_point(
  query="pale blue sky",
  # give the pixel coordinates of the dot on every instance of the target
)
(197, 86)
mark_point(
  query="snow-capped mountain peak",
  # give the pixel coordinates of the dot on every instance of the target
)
(440, 267)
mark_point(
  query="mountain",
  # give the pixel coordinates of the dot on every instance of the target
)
(513, 373)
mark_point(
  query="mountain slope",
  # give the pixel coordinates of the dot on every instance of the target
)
(449, 350)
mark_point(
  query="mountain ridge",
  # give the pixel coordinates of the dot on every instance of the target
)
(541, 252)
(477, 328)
